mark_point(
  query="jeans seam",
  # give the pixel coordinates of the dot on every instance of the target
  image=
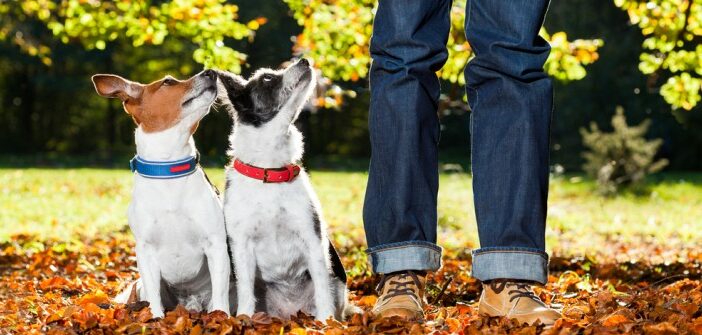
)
(493, 249)
(499, 249)
(543, 255)
(409, 245)
(469, 3)
(509, 252)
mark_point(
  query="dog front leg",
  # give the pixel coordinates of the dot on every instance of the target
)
(245, 268)
(219, 266)
(150, 279)
(319, 272)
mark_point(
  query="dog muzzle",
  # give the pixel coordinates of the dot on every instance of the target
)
(268, 175)
(164, 170)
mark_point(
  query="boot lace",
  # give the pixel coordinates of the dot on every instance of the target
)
(519, 290)
(402, 283)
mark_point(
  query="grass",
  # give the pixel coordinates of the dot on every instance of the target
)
(67, 204)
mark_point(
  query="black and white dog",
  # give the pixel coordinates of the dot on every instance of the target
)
(283, 259)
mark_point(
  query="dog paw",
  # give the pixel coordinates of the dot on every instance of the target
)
(221, 309)
(324, 315)
(157, 314)
(245, 311)
(351, 309)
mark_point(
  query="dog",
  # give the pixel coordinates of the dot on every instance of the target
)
(283, 259)
(175, 214)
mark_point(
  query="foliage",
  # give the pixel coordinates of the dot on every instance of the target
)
(623, 157)
(337, 34)
(568, 59)
(635, 285)
(94, 24)
(55, 288)
(672, 49)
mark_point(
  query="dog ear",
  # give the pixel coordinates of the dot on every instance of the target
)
(234, 84)
(112, 86)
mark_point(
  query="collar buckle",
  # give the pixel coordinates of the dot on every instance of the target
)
(265, 179)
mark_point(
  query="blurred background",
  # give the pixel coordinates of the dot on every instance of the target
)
(601, 60)
(626, 148)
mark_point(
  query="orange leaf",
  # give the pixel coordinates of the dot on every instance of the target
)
(453, 324)
(615, 320)
(145, 315)
(334, 331)
(98, 297)
(197, 330)
(54, 283)
(664, 328)
(298, 331)
(367, 301)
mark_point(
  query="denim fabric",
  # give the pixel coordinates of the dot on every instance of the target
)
(511, 102)
(410, 255)
(511, 263)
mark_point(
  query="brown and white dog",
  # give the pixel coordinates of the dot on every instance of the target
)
(175, 214)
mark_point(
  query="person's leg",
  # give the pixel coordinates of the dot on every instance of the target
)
(408, 47)
(511, 99)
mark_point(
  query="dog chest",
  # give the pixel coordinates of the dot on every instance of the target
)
(280, 257)
(186, 270)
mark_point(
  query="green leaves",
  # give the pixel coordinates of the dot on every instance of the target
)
(568, 59)
(337, 35)
(672, 48)
(682, 91)
(95, 24)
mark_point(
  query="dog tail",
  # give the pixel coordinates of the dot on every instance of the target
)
(350, 309)
(130, 294)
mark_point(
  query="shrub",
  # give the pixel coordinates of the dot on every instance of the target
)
(621, 158)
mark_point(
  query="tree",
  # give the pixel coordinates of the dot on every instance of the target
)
(50, 48)
(621, 158)
(672, 49)
(337, 36)
(94, 24)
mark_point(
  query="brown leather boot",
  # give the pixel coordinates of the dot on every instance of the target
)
(515, 300)
(401, 294)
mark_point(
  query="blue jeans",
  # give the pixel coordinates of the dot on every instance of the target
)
(511, 100)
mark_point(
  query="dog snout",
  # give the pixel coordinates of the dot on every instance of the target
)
(211, 74)
(304, 62)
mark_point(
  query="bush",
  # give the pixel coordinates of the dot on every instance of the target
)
(621, 158)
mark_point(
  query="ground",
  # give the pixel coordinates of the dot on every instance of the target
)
(629, 264)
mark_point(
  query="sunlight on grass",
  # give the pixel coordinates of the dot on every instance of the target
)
(67, 204)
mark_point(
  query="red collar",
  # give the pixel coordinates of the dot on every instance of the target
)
(276, 175)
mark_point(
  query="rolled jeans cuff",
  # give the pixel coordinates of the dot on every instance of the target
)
(402, 256)
(510, 263)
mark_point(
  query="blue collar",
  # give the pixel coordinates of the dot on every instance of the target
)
(164, 170)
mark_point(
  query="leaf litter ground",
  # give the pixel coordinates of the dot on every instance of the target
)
(631, 287)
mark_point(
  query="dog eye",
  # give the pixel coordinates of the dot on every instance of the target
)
(267, 77)
(169, 81)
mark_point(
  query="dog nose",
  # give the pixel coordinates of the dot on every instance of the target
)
(304, 62)
(210, 74)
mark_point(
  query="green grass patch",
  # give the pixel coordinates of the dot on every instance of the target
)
(68, 204)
